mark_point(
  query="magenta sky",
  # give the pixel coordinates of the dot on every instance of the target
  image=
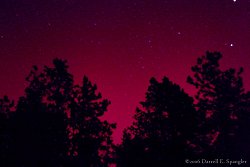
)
(121, 44)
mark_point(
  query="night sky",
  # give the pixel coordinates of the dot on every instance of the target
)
(121, 44)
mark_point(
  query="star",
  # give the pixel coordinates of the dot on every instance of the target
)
(234, 0)
(230, 44)
(149, 42)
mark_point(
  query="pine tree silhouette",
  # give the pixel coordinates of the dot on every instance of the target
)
(6, 109)
(223, 106)
(163, 130)
(56, 123)
(91, 141)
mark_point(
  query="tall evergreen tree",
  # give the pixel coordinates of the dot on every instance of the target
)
(163, 130)
(91, 140)
(6, 110)
(223, 105)
(39, 124)
(57, 123)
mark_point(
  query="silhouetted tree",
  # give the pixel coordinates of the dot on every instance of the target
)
(56, 123)
(223, 106)
(91, 138)
(39, 125)
(6, 109)
(164, 129)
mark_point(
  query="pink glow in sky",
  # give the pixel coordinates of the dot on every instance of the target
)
(121, 44)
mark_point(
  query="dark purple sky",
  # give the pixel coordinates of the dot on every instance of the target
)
(121, 44)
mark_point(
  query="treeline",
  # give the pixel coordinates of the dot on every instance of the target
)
(57, 123)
